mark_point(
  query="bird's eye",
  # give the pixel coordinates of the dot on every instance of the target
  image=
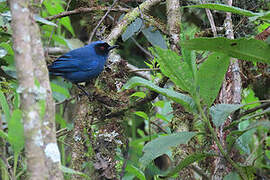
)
(101, 47)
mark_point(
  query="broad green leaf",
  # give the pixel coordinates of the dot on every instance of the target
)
(189, 56)
(141, 114)
(5, 106)
(245, 140)
(154, 37)
(234, 135)
(232, 176)
(211, 75)
(243, 48)
(225, 8)
(265, 124)
(60, 120)
(134, 170)
(235, 10)
(15, 131)
(55, 7)
(67, 24)
(248, 98)
(7, 47)
(134, 27)
(187, 161)
(176, 69)
(16, 101)
(220, 112)
(159, 104)
(182, 99)
(72, 171)
(58, 91)
(162, 145)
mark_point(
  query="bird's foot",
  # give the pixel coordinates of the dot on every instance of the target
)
(84, 92)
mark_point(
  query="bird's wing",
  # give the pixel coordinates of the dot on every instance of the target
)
(71, 62)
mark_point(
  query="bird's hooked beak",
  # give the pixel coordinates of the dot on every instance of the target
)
(112, 47)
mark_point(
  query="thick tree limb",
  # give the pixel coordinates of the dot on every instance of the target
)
(129, 17)
(173, 22)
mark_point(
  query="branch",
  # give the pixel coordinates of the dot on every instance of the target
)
(262, 106)
(211, 20)
(83, 10)
(173, 23)
(101, 20)
(129, 17)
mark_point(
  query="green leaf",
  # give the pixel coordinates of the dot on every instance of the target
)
(243, 48)
(235, 10)
(60, 91)
(3, 135)
(4, 105)
(182, 99)
(211, 75)
(225, 8)
(16, 101)
(232, 175)
(154, 37)
(187, 161)
(139, 94)
(132, 29)
(72, 171)
(141, 114)
(44, 21)
(7, 47)
(134, 170)
(265, 124)
(55, 7)
(162, 145)
(175, 68)
(60, 120)
(159, 104)
(220, 112)
(16, 131)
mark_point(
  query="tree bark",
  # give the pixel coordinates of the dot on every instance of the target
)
(52, 155)
(21, 22)
(230, 94)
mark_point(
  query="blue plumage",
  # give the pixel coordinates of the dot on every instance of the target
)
(82, 64)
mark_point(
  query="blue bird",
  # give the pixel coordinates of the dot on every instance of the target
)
(82, 64)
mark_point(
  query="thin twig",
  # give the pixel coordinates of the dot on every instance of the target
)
(66, 100)
(262, 106)
(211, 20)
(126, 157)
(142, 48)
(144, 69)
(159, 127)
(200, 172)
(84, 10)
(101, 20)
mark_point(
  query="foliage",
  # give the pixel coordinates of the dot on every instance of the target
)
(195, 78)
